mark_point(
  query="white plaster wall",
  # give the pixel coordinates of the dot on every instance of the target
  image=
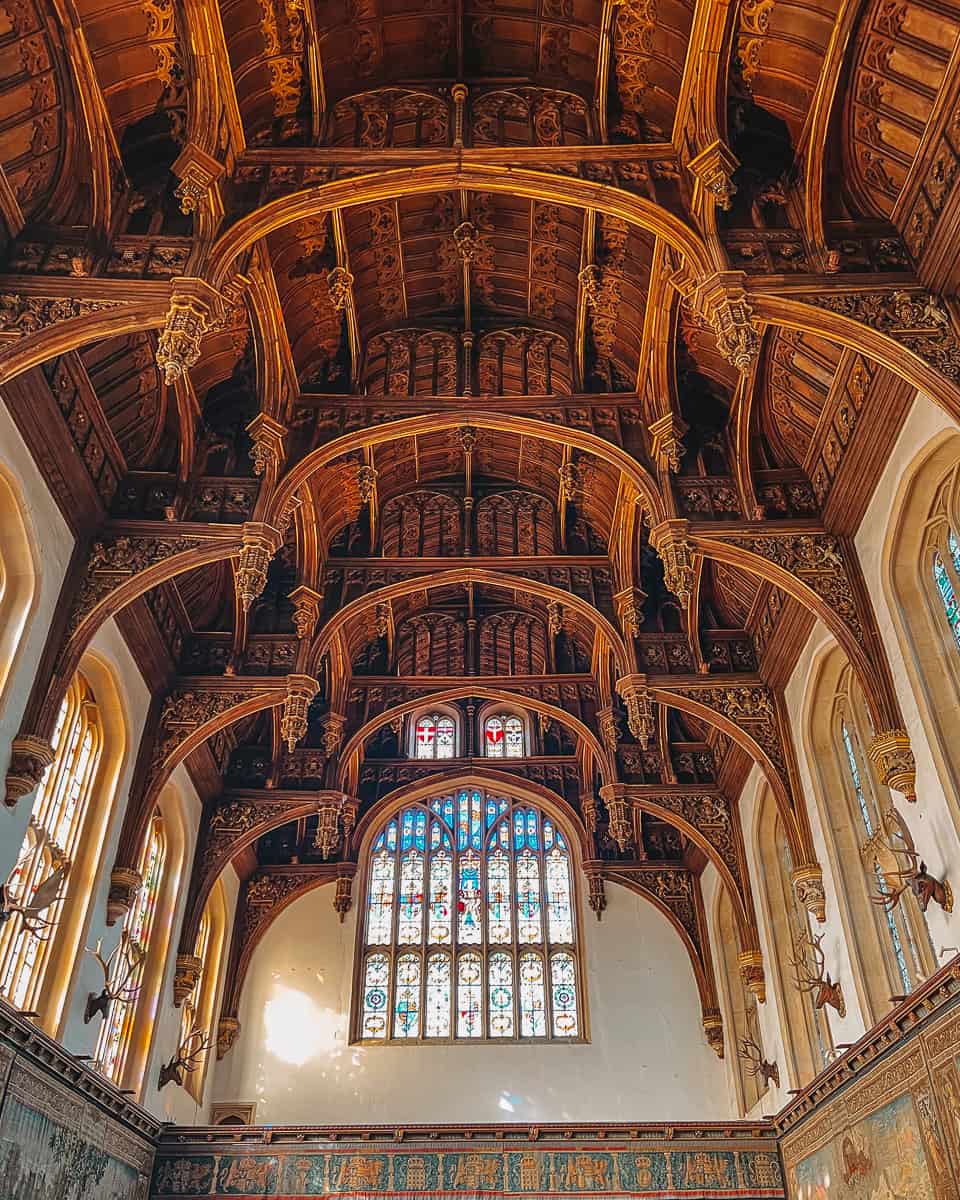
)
(647, 1061)
(930, 820)
(52, 544)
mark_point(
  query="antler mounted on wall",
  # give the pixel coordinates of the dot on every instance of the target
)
(815, 979)
(894, 856)
(117, 969)
(43, 896)
(752, 1055)
(186, 1059)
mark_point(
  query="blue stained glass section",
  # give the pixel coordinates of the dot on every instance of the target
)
(945, 587)
(406, 830)
(392, 836)
(547, 834)
(420, 830)
(560, 842)
(491, 812)
(378, 844)
(434, 836)
(519, 830)
(954, 547)
(476, 827)
(533, 836)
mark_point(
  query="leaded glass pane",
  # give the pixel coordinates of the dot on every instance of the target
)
(446, 737)
(529, 925)
(947, 595)
(406, 999)
(469, 996)
(493, 739)
(380, 908)
(559, 908)
(441, 887)
(376, 980)
(563, 979)
(498, 898)
(437, 1013)
(513, 737)
(500, 976)
(410, 910)
(533, 1017)
(426, 737)
(469, 930)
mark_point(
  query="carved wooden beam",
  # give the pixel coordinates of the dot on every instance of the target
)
(711, 821)
(349, 156)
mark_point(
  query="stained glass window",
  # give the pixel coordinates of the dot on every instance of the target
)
(893, 931)
(945, 586)
(435, 736)
(503, 736)
(51, 842)
(470, 928)
(117, 1028)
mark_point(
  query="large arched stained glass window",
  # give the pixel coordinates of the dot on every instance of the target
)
(435, 736)
(470, 929)
(503, 736)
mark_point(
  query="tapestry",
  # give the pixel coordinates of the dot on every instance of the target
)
(609, 1170)
(893, 1133)
(57, 1145)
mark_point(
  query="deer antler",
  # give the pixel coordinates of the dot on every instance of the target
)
(752, 1055)
(184, 1062)
(45, 894)
(132, 954)
(817, 980)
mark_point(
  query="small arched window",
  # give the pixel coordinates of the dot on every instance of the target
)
(51, 842)
(470, 929)
(117, 1029)
(503, 736)
(435, 736)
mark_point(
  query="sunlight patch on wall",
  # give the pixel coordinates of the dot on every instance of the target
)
(297, 1030)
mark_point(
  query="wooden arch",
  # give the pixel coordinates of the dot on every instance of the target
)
(355, 744)
(871, 668)
(378, 186)
(794, 816)
(409, 427)
(740, 895)
(418, 583)
(141, 804)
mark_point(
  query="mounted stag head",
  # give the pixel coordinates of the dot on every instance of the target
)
(752, 1055)
(117, 970)
(816, 979)
(186, 1059)
(13, 902)
(894, 857)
